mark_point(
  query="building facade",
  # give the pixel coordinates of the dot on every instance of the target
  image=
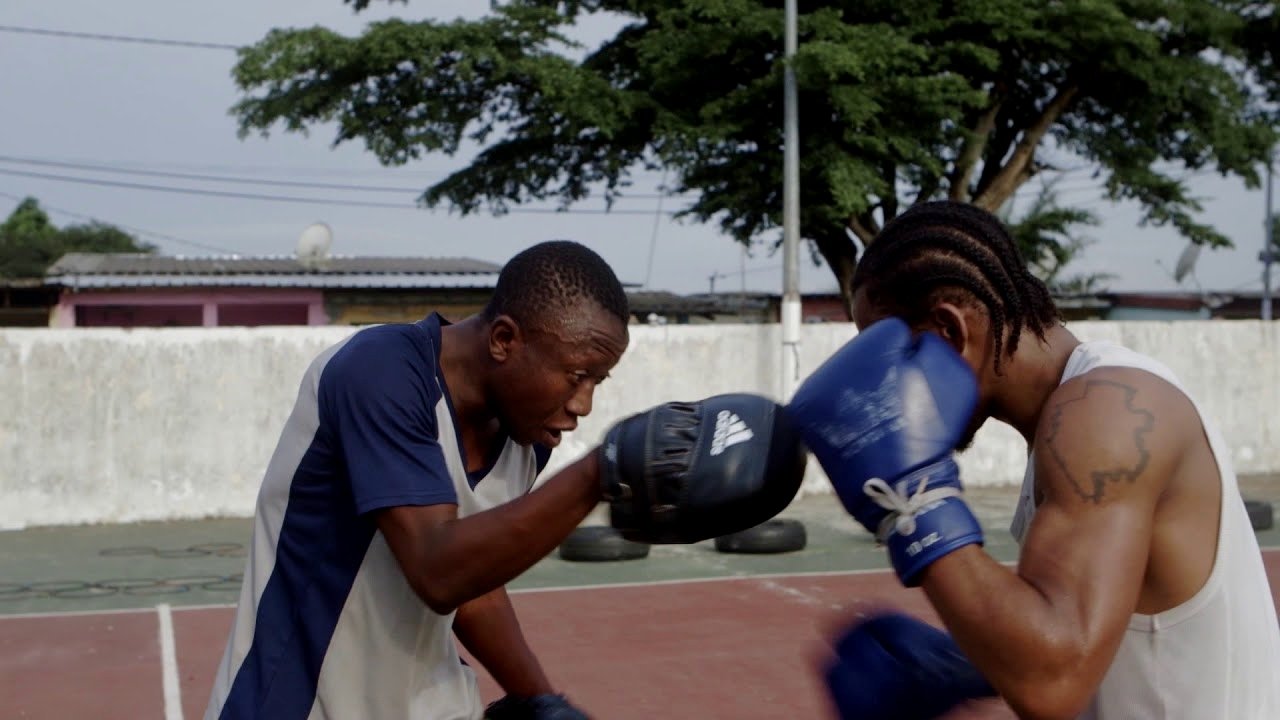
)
(135, 290)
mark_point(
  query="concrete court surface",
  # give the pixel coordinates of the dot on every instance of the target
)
(129, 621)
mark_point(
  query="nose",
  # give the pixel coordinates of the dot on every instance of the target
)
(579, 404)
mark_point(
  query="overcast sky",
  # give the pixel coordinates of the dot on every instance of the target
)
(162, 108)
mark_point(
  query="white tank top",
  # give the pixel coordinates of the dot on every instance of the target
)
(1217, 655)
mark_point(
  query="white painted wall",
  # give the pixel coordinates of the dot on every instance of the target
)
(122, 425)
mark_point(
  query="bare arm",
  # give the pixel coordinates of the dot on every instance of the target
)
(489, 630)
(450, 560)
(1045, 634)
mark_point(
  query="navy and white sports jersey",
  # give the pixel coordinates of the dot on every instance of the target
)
(327, 625)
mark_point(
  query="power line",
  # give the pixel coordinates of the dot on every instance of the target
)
(135, 230)
(1244, 285)
(1098, 188)
(198, 176)
(653, 236)
(290, 198)
(751, 271)
(116, 38)
(118, 169)
(242, 169)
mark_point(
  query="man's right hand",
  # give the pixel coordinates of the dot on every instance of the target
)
(683, 472)
(883, 416)
(894, 667)
(538, 707)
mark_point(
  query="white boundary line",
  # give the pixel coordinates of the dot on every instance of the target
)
(708, 579)
(108, 611)
(76, 613)
(169, 665)
(513, 591)
(524, 591)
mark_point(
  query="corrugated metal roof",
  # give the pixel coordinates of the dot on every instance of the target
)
(141, 264)
(314, 280)
(661, 301)
(21, 283)
(130, 270)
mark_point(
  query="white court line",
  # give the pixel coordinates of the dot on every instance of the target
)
(707, 579)
(110, 611)
(513, 591)
(755, 576)
(76, 613)
(600, 586)
(169, 665)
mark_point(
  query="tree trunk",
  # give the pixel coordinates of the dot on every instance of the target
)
(1018, 169)
(975, 143)
(842, 257)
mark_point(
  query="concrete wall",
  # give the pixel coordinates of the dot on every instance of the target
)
(104, 425)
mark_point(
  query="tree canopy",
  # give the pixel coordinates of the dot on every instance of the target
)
(30, 242)
(900, 101)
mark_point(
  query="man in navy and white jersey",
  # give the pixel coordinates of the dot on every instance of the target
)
(372, 548)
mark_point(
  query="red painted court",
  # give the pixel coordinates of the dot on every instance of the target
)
(742, 648)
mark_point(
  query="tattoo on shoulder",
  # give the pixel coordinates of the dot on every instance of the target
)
(1071, 417)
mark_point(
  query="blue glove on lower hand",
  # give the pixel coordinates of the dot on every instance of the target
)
(894, 667)
(536, 707)
(883, 416)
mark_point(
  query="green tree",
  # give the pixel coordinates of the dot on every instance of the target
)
(900, 101)
(1048, 235)
(30, 243)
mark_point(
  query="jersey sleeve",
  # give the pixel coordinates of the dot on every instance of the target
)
(379, 395)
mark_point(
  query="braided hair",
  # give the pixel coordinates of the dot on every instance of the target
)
(957, 252)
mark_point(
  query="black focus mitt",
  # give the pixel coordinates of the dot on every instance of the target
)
(684, 472)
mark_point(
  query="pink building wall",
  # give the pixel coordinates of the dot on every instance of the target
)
(198, 307)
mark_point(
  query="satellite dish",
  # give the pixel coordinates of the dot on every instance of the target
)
(313, 244)
(1186, 262)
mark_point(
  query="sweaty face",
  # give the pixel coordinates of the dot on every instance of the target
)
(550, 380)
(866, 314)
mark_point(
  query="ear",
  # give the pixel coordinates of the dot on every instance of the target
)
(505, 336)
(952, 323)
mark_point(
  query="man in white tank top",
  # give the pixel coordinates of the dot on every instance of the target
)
(1140, 591)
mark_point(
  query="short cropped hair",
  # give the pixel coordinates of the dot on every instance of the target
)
(552, 279)
(944, 247)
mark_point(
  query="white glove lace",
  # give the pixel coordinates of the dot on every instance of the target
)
(903, 509)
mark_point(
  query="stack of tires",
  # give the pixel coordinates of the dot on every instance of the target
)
(601, 543)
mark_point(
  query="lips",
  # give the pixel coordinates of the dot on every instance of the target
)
(554, 435)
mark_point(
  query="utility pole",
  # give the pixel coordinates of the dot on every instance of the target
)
(1268, 248)
(790, 216)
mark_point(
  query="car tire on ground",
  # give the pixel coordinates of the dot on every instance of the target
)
(772, 536)
(600, 543)
(1261, 514)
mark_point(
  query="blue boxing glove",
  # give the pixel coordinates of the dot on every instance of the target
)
(536, 707)
(894, 667)
(883, 416)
